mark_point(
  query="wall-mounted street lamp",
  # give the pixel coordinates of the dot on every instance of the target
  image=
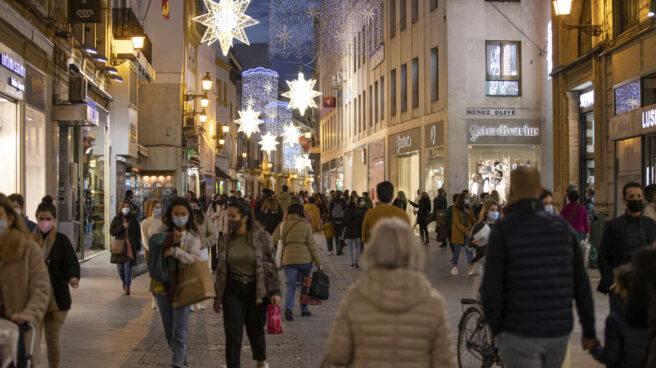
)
(202, 117)
(225, 129)
(244, 155)
(562, 7)
(206, 82)
(138, 42)
(204, 101)
(222, 141)
(308, 135)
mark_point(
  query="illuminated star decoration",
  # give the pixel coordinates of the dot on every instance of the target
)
(284, 36)
(301, 93)
(268, 88)
(369, 12)
(248, 121)
(225, 20)
(291, 135)
(250, 101)
(268, 143)
(303, 162)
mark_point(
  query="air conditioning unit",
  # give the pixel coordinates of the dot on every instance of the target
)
(77, 90)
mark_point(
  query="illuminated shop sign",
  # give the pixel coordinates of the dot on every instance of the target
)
(12, 64)
(648, 118)
(17, 84)
(403, 142)
(475, 131)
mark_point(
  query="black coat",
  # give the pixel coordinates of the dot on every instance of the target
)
(62, 265)
(337, 202)
(424, 209)
(613, 247)
(134, 231)
(533, 272)
(270, 220)
(440, 203)
(624, 346)
(353, 224)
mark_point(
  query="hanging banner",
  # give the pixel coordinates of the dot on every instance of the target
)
(328, 102)
(165, 9)
(84, 11)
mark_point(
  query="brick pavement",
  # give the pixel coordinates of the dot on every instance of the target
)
(108, 329)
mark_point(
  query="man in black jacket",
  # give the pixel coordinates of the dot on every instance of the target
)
(336, 212)
(534, 269)
(622, 236)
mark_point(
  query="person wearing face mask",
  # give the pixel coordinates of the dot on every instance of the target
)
(217, 212)
(547, 200)
(125, 227)
(151, 226)
(247, 281)
(622, 237)
(64, 270)
(26, 288)
(480, 235)
(208, 237)
(184, 245)
(576, 215)
(462, 221)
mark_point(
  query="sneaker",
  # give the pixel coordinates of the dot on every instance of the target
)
(331, 253)
(352, 266)
(191, 309)
(471, 270)
(357, 265)
(200, 307)
(154, 305)
(454, 270)
(288, 315)
(306, 314)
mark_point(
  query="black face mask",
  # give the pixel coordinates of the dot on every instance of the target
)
(234, 225)
(635, 205)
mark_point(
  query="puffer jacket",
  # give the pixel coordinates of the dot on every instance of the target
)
(391, 318)
(298, 241)
(284, 200)
(315, 214)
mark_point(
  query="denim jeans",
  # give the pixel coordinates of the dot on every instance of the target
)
(292, 272)
(531, 352)
(456, 254)
(239, 310)
(125, 271)
(329, 244)
(354, 243)
(176, 328)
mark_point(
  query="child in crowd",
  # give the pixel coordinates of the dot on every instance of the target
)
(329, 233)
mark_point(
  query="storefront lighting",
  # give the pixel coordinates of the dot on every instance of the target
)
(562, 7)
(202, 117)
(138, 42)
(225, 129)
(88, 49)
(222, 141)
(308, 135)
(110, 70)
(652, 12)
(244, 155)
(206, 82)
(100, 58)
(204, 101)
(116, 78)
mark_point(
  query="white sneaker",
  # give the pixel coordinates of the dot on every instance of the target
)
(191, 309)
(331, 253)
(471, 271)
(454, 270)
(266, 365)
(154, 306)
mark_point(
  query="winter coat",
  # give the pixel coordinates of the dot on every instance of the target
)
(315, 214)
(270, 220)
(353, 224)
(62, 264)
(336, 202)
(134, 231)
(424, 209)
(376, 214)
(24, 281)
(149, 227)
(328, 230)
(208, 233)
(625, 347)
(285, 200)
(533, 271)
(267, 275)
(613, 247)
(397, 203)
(391, 318)
(577, 216)
(298, 241)
(368, 203)
(459, 229)
(439, 203)
(219, 217)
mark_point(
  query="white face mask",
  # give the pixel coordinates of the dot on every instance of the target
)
(549, 209)
(125, 210)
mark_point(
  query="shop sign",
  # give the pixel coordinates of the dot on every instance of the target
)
(403, 142)
(20, 87)
(192, 171)
(434, 134)
(92, 114)
(12, 64)
(85, 11)
(586, 99)
(504, 131)
(491, 112)
(648, 118)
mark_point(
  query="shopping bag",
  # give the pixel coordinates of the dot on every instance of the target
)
(586, 251)
(443, 235)
(194, 284)
(305, 293)
(118, 246)
(320, 288)
(274, 323)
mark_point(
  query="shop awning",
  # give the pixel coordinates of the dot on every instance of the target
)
(220, 174)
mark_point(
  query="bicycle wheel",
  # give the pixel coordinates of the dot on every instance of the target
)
(472, 340)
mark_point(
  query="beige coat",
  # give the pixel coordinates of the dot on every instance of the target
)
(391, 319)
(298, 241)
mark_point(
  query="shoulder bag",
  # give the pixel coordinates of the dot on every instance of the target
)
(281, 243)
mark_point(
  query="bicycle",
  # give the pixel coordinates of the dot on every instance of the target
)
(476, 347)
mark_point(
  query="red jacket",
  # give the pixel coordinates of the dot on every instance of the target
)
(578, 219)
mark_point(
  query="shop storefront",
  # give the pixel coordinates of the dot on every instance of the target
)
(435, 163)
(376, 160)
(498, 146)
(359, 170)
(332, 175)
(12, 90)
(404, 161)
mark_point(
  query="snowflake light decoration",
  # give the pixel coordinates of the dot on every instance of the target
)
(301, 93)
(268, 143)
(291, 135)
(303, 162)
(225, 21)
(248, 121)
(254, 88)
(291, 29)
(276, 117)
(348, 27)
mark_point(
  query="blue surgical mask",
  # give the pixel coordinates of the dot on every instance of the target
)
(180, 221)
(466, 202)
(549, 209)
(3, 226)
(125, 210)
(493, 215)
(157, 212)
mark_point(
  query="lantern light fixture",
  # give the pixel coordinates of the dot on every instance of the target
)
(206, 82)
(225, 129)
(562, 7)
(222, 141)
(308, 135)
(202, 117)
(244, 155)
(204, 101)
(138, 42)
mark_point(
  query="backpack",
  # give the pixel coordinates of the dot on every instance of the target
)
(338, 211)
(158, 266)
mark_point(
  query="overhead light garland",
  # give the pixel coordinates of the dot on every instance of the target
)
(301, 93)
(225, 21)
(277, 116)
(291, 29)
(268, 143)
(248, 121)
(258, 88)
(290, 154)
(341, 26)
(303, 162)
(291, 135)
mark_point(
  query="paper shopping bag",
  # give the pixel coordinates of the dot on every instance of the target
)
(194, 284)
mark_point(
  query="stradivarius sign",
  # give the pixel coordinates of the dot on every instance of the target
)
(503, 130)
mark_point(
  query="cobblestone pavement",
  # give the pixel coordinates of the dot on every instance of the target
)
(108, 329)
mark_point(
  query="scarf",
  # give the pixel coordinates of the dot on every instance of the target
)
(45, 243)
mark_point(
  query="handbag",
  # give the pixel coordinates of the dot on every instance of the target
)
(305, 293)
(442, 235)
(274, 323)
(429, 218)
(118, 258)
(118, 246)
(194, 284)
(320, 288)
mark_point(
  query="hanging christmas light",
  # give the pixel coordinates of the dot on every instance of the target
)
(268, 143)
(290, 153)
(225, 20)
(258, 88)
(301, 93)
(291, 135)
(276, 117)
(290, 28)
(248, 121)
(303, 162)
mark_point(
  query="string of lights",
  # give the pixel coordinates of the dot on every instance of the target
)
(291, 24)
(259, 88)
(276, 117)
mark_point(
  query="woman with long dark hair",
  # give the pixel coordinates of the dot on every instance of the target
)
(271, 214)
(126, 227)
(64, 270)
(247, 281)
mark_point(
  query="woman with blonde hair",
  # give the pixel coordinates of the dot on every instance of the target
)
(271, 214)
(462, 222)
(395, 293)
(401, 201)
